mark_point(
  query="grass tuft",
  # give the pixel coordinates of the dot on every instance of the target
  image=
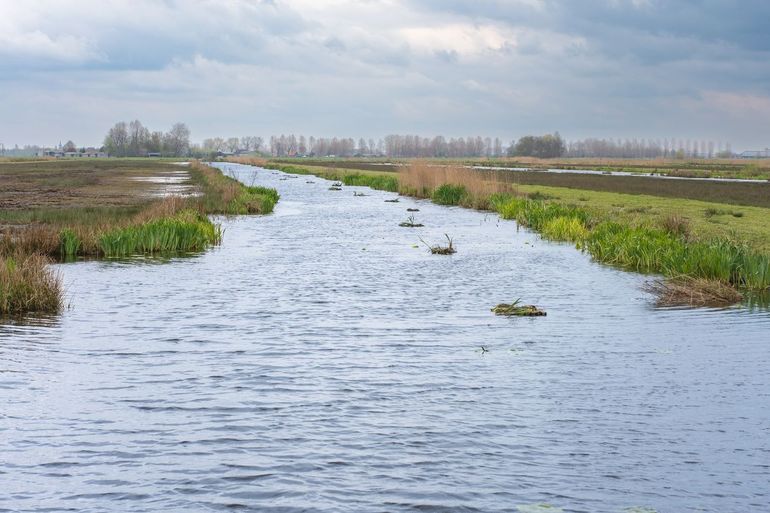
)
(28, 284)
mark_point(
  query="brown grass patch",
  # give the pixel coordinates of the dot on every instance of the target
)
(696, 292)
(28, 284)
(420, 178)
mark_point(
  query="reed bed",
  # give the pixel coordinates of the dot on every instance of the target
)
(186, 232)
(28, 284)
(452, 185)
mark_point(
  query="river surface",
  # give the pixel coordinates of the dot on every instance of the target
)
(319, 361)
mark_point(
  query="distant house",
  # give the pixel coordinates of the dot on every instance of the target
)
(87, 153)
(153, 154)
(50, 153)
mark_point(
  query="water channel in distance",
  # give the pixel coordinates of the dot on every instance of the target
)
(318, 361)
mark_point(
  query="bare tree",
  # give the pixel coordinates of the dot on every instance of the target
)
(116, 142)
(177, 140)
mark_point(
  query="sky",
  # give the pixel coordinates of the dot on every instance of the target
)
(700, 69)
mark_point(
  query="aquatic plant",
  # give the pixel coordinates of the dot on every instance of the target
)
(28, 284)
(518, 310)
(70, 243)
(188, 231)
(438, 249)
(697, 292)
(410, 223)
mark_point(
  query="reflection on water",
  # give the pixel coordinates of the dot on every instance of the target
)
(318, 361)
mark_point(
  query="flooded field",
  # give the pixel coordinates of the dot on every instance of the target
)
(322, 359)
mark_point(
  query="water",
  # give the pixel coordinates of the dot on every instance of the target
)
(317, 361)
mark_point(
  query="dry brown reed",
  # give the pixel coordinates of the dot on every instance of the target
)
(420, 178)
(696, 292)
(28, 284)
(249, 161)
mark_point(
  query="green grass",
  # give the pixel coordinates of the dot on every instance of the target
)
(70, 243)
(188, 231)
(449, 194)
(225, 195)
(383, 181)
(565, 228)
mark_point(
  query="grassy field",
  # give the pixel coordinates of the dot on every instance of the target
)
(756, 169)
(62, 209)
(718, 247)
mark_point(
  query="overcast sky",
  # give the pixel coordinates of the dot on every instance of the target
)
(588, 68)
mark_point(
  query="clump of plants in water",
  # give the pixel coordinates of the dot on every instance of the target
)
(188, 231)
(28, 284)
(686, 291)
(438, 249)
(516, 309)
(410, 223)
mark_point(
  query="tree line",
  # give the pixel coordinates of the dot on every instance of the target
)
(135, 140)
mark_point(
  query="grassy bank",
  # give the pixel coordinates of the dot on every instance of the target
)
(691, 242)
(107, 208)
(380, 180)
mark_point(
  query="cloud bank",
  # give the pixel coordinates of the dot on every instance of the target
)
(606, 68)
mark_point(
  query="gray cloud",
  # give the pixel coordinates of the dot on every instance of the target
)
(647, 68)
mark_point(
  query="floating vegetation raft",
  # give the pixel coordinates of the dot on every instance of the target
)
(686, 291)
(410, 223)
(439, 249)
(518, 310)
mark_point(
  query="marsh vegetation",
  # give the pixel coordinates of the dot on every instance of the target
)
(64, 210)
